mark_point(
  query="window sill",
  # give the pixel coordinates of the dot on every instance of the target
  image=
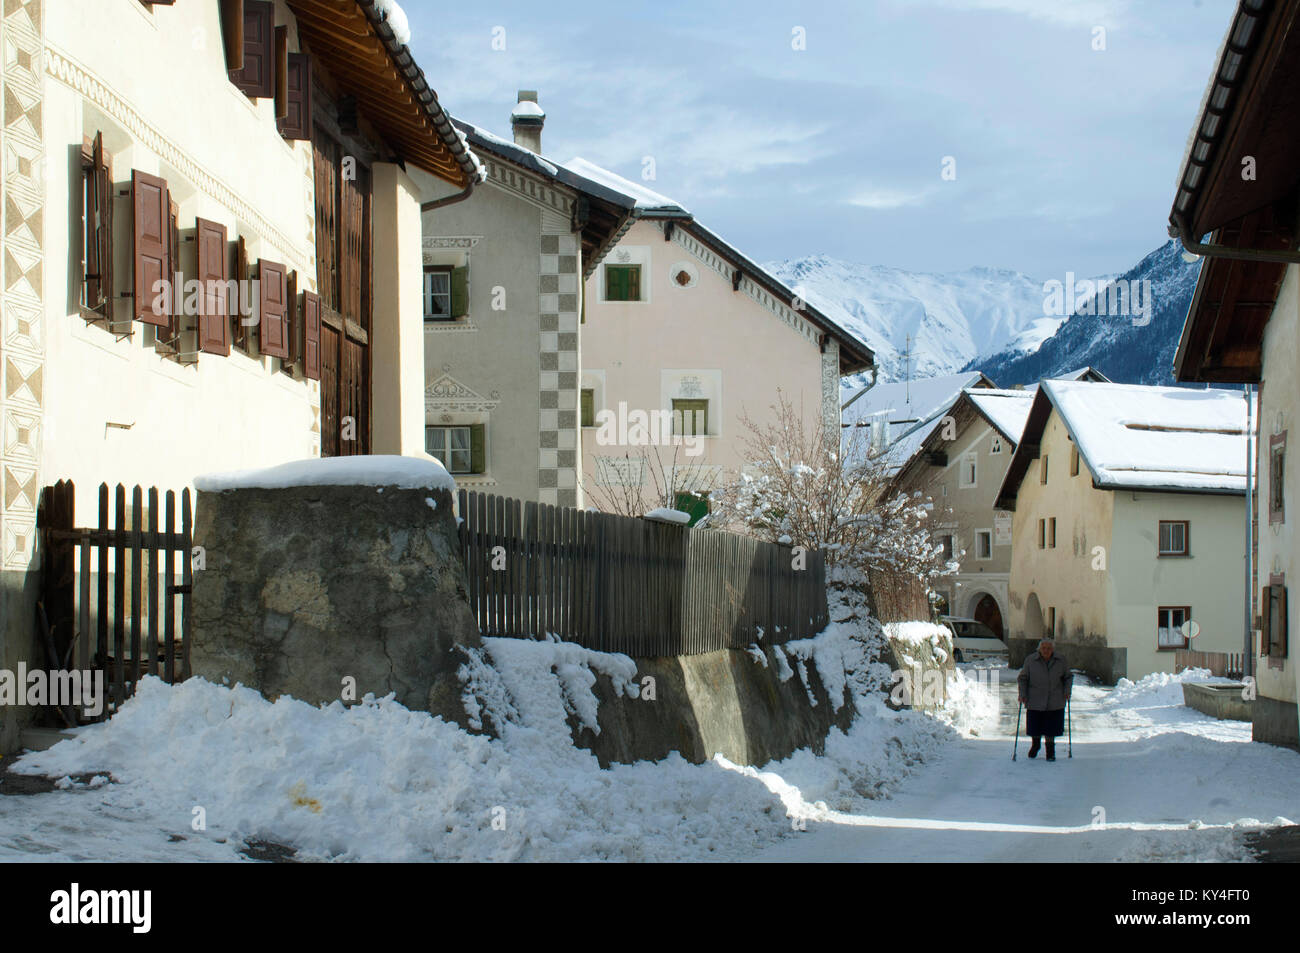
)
(440, 326)
(1173, 555)
(1171, 648)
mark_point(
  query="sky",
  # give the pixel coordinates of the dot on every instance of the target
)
(1065, 155)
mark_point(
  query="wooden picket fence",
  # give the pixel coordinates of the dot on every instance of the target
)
(109, 592)
(1222, 664)
(640, 587)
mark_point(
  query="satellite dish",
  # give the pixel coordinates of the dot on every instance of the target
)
(1190, 629)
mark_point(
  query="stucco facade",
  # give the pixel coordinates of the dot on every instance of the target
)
(1278, 560)
(695, 338)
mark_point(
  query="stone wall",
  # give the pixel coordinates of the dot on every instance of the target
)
(307, 585)
(724, 702)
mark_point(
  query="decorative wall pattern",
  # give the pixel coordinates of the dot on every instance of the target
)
(22, 235)
(831, 386)
(557, 466)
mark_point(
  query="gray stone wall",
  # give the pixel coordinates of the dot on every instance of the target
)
(307, 586)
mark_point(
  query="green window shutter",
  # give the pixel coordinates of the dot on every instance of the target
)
(588, 406)
(459, 292)
(477, 449)
(634, 283)
(615, 283)
(694, 419)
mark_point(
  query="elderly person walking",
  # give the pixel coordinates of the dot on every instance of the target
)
(1045, 682)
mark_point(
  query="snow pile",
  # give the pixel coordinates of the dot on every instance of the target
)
(665, 515)
(971, 704)
(1157, 690)
(916, 632)
(374, 470)
(392, 13)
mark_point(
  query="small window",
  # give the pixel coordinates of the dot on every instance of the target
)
(437, 293)
(946, 544)
(1173, 537)
(1051, 622)
(969, 471)
(1277, 478)
(1042, 470)
(983, 544)
(451, 446)
(1273, 619)
(1042, 534)
(996, 445)
(1051, 533)
(622, 282)
(690, 417)
(1074, 460)
(1169, 626)
(588, 407)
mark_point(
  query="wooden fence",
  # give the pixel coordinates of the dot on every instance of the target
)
(1223, 664)
(620, 584)
(109, 592)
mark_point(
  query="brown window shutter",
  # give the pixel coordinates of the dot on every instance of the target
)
(292, 349)
(311, 335)
(281, 64)
(256, 78)
(272, 304)
(99, 219)
(232, 33)
(151, 238)
(214, 306)
(296, 123)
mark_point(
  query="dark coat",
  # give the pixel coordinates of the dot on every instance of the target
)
(1045, 684)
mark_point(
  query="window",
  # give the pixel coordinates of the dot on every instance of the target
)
(250, 47)
(983, 544)
(437, 293)
(690, 417)
(587, 405)
(996, 445)
(622, 282)
(1074, 460)
(1273, 619)
(1042, 534)
(96, 228)
(1051, 622)
(1169, 626)
(1173, 537)
(1277, 478)
(1042, 470)
(1051, 533)
(968, 470)
(946, 544)
(459, 449)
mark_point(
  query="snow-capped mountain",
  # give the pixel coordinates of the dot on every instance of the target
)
(942, 321)
(1129, 349)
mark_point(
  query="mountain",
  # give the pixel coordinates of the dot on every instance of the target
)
(1129, 349)
(943, 322)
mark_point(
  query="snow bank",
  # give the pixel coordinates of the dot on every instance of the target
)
(916, 632)
(376, 470)
(1159, 689)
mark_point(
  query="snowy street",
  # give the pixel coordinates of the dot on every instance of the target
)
(1172, 783)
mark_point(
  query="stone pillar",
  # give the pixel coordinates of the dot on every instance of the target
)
(306, 586)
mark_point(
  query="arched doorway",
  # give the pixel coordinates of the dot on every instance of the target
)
(987, 611)
(1033, 619)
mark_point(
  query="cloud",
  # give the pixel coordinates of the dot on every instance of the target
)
(1070, 13)
(878, 198)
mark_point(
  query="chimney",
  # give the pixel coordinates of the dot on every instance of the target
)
(526, 121)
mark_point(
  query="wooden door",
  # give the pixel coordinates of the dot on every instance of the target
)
(343, 274)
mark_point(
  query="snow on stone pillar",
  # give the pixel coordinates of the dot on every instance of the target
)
(526, 121)
(831, 388)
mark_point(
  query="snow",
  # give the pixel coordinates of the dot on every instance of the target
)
(479, 167)
(664, 515)
(647, 200)
(916, 632)
(377, 470)
(509, 148)
(909, 411)
(527, 110)
(1007, 410)
(1138, 436)
(392, 12)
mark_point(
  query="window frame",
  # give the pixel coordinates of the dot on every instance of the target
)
(1187, 539)
(425, 294)
(1187, 616)
(1074, 460)
(986, 534)
(1051, 532)
(971, 461)
(1042, 533)
(1042, 470)
(695, 431)
(468, 449)
(632, 268)
(586, 407)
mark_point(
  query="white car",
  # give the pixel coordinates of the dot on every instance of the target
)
(972, 640)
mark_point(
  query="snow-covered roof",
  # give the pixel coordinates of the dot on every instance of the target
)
(908, 401)
(648, 201)
(381, 470)
(1143, 437)
(392, 12)
(1007, 410)
(1087, 372)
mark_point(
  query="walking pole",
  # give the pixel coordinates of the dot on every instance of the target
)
(1019, 709)
(1069, 716)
